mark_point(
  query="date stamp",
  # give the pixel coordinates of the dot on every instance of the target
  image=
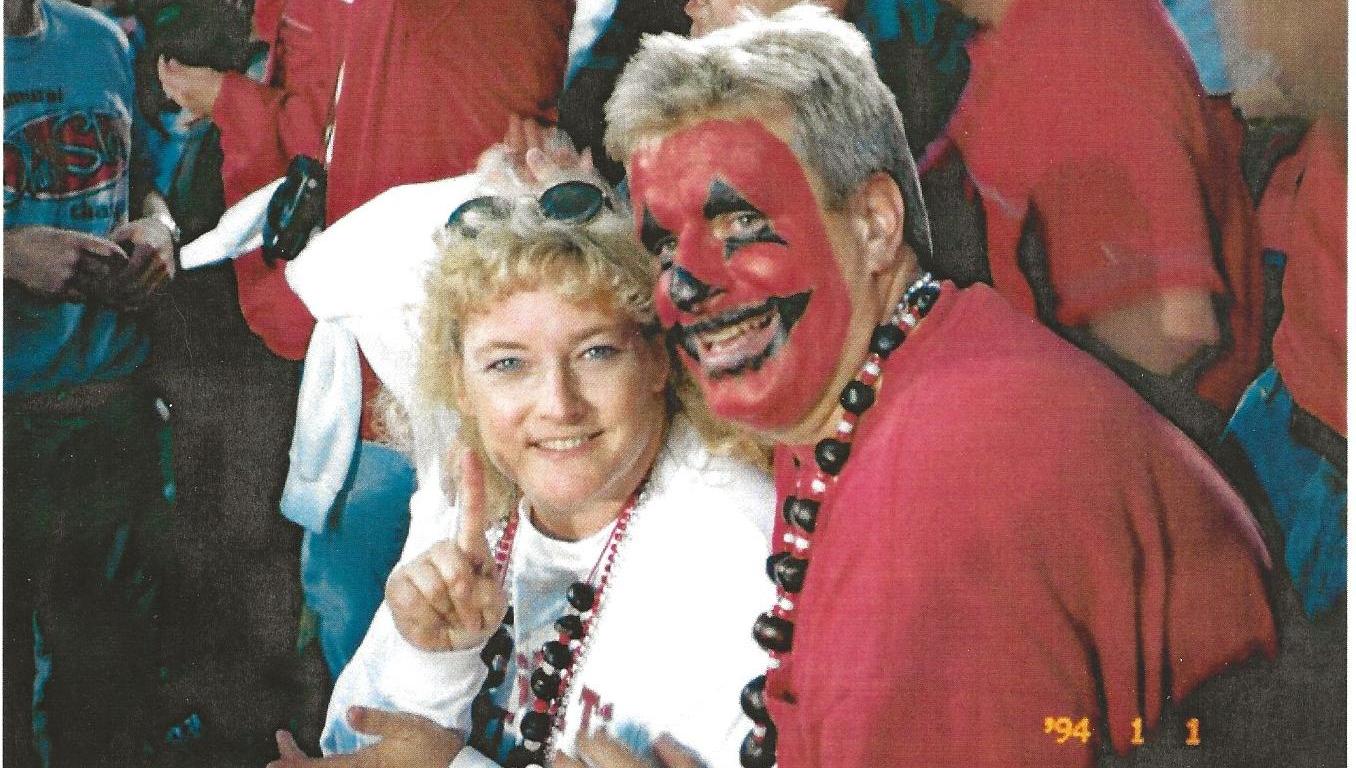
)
(1066, 729)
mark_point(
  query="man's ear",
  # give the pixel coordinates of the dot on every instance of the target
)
(660, 364)
(880, 209)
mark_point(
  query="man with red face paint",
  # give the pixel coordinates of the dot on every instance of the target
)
(983, 529)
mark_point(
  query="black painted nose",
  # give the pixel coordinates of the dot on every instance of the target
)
(686, 291)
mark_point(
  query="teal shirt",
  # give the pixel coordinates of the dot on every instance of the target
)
(68, 151)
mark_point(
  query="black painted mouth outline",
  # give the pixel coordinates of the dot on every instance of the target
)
(789, 310)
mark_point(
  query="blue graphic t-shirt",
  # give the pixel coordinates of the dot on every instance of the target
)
(68, 150)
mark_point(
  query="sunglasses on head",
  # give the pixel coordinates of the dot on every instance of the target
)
(571, 202)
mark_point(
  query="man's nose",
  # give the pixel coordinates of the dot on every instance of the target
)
(686, 291)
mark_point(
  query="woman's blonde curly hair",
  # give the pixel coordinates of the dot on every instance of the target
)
(598, 262)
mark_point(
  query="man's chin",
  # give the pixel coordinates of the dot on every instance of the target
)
(754, 398)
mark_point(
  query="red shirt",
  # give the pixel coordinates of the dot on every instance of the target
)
(262, 128)
(1092, 117)
(1015, 534)
(1304, 215)
(428, 86)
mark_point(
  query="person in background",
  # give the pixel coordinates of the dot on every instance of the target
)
(595, 69)
(1114, 205)
(425, 88)
(236, 637)
(1291, 423)
(981, 525)
(228, 625)
(87, 246)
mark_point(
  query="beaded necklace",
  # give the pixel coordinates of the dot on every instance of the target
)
(560, 657)
(787, 567)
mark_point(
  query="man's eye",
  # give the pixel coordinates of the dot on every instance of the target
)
(506, 365)
(666, 250)
(749, 219)
(743, 225)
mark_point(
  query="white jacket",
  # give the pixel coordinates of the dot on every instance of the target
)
(672, 646)
(363, 280)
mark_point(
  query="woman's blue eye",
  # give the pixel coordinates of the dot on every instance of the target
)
(506, 365)
(601, 352)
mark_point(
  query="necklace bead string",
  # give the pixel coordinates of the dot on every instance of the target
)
(802, 511)
(560, 657)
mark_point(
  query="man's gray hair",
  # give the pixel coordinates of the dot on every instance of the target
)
(845, 122)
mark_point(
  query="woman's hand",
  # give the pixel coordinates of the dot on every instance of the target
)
(407, 741)
(449, 598)
(598, 750)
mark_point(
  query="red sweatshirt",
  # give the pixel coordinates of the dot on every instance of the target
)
(428, 86)
(263, 127)
(1091, 116)
(1304, 216)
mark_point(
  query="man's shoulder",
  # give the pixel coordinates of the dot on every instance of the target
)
(984, 344)
(85, 24)
(993, 378)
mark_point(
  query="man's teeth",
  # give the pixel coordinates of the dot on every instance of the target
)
(721, 335)
(563, 444)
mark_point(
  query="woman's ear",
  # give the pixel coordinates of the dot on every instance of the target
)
(879, 207)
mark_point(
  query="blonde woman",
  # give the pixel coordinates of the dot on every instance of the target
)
(629, 552)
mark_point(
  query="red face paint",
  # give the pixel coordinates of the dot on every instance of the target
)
(754, 293)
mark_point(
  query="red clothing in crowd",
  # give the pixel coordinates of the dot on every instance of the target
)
(1304, 216)
(262, 128)
(427, 87)
(1091, 116)
(1015, 535)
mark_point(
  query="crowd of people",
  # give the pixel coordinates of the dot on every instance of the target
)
(394, 382)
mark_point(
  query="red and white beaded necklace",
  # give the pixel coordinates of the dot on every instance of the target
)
(787, 566)
(552, 683)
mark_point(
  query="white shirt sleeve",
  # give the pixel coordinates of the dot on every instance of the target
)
(389, 673)
(472, 758)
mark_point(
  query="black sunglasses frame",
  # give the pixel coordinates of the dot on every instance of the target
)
(570, 202)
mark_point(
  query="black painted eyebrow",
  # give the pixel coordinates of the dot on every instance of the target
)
(651, 234)
(721, 199)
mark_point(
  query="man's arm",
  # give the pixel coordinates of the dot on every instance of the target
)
(61, 264)
(1161, 333)
(1130, 258)
(261, 126)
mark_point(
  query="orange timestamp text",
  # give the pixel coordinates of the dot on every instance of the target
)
(1066, 729)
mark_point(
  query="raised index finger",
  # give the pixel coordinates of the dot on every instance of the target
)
(474, 519)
